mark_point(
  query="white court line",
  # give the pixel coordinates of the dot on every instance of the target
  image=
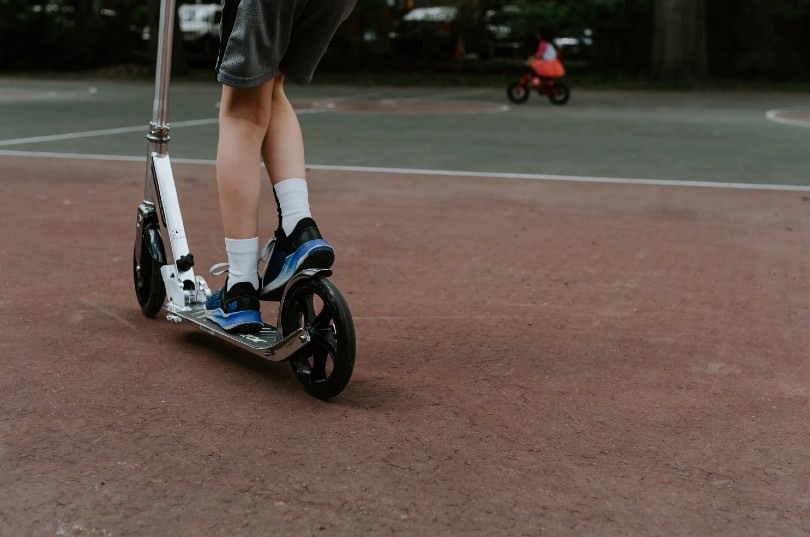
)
(123, 130)
(213, 121)
(564, 178)
(101, 132)
(774, 116)
(444, 173)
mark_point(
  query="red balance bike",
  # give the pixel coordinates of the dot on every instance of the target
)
(518, 92)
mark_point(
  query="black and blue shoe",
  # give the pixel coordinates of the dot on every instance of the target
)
(285, 256)
(235, 310)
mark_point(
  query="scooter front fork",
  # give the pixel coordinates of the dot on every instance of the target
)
(183, 288)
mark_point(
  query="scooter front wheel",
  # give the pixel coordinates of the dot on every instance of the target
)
(517, 92)
(149, 286)
(325, 365)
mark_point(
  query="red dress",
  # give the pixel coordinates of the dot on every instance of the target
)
(551, 68)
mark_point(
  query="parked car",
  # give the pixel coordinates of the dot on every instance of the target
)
(441, 32)
(576, 44)
(511, 33)
(200, 21)
(506, 34)
(199, 26)
(425, 31)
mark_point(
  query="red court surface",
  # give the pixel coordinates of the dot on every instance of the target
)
(534, 358)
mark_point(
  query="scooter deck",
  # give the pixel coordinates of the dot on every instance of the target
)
(262, 343)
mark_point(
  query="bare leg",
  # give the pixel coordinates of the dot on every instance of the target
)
(244, 117)
(283, 154)
(283, 146)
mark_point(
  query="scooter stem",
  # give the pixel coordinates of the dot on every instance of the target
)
(159, 127)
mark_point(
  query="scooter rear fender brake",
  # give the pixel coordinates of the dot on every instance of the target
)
(307, 274)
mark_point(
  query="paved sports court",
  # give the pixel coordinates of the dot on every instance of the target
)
(584, 320)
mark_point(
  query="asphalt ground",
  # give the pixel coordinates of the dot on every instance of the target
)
(722, 137)
(535, 357)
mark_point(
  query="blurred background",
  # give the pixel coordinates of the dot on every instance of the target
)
(668, 41)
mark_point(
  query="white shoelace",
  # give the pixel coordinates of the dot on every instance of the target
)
(264, 255)
(218, 269)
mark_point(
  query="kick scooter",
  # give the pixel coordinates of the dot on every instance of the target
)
(314, 330)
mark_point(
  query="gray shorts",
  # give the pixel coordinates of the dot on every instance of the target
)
(258, 38)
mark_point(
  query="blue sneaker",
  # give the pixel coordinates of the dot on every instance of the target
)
(303, 249)
(236, 310)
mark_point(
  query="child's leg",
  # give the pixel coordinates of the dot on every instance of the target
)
(300, 246)
(243, 119)
(244, 116)
(283, 154)
(283, 146)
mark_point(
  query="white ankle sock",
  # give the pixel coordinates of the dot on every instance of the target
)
(294, 202)
(243, 261)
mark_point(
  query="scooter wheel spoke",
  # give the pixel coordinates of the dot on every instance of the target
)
(322, 320)
(325, 339)
(309, 311)
(320, 358)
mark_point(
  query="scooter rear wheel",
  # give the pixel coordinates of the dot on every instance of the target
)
(149, 286)
(518, 93)
(325, 365)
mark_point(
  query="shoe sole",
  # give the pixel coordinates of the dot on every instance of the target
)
(319, 258)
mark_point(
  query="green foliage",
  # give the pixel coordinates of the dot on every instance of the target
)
(759, 38)
(766, 39)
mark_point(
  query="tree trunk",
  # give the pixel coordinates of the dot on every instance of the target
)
(679, 40)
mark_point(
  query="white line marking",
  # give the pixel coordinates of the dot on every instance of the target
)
(566, 178)
(774, 116)
(109, 313)
(79, 156)
(123, 130)
(101, 132)
(444, 173)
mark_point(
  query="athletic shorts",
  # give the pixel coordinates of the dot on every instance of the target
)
(258, 38)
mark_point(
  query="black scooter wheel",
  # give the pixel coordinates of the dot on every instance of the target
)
(325, 365)
(559, 94)
(518, 93)
(149, 288)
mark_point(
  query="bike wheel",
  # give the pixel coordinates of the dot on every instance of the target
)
(518, 93)
(559, 94)
(325, 365)
(149, 286)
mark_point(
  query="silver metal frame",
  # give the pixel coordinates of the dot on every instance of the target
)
(160, 191)
(269, 342)
(158, 135)
(186, 292)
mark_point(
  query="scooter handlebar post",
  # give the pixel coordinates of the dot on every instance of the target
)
(163, 68)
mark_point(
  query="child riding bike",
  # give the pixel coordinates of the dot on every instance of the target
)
(542, 72)
(546, 62)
